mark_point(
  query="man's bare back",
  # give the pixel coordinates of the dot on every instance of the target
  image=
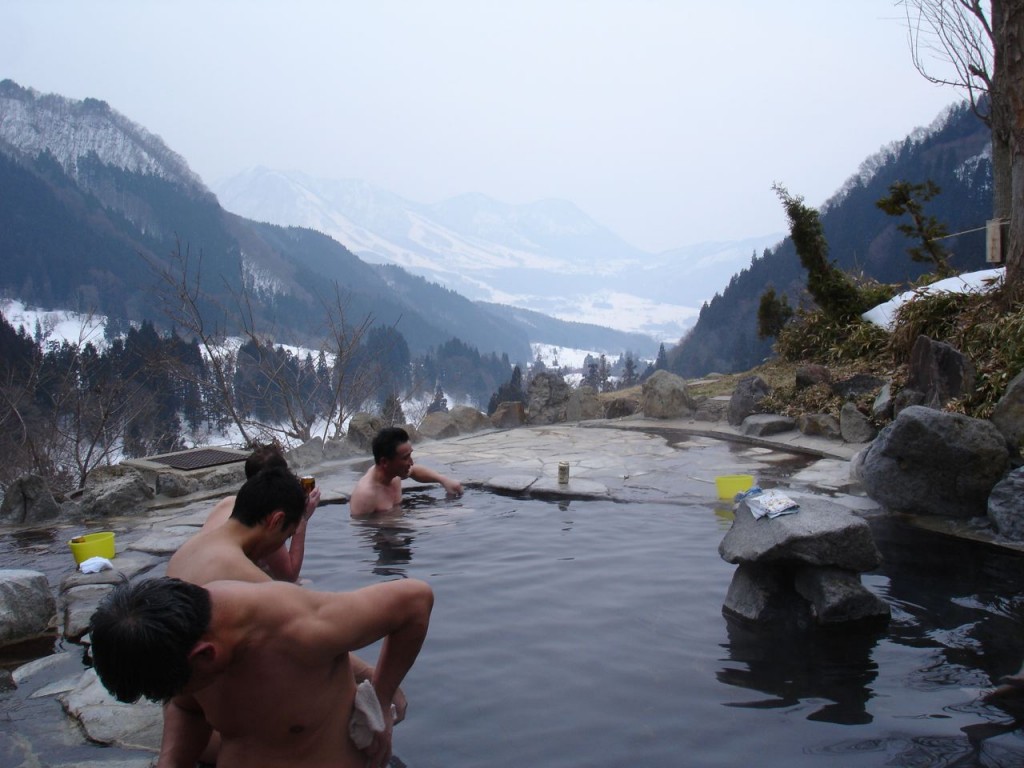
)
(313, 689)
(229, 549)
(213, 555)
(268, 667)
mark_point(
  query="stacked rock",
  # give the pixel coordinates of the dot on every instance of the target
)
(801, 567)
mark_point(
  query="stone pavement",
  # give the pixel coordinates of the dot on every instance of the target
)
(633, 459)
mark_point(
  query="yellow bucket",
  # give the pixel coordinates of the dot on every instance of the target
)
(92, 545)
(729, 485)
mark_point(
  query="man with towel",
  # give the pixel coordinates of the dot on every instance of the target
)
(268, 509)
(267, 665)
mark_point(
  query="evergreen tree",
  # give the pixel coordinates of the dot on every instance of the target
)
(772, 314)
(439, 404)
(511, 391)
(661, 362)
(907, 198)
(603, 375)
(629, 376)
(391, 412)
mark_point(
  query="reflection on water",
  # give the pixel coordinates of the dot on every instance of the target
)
(794, 664)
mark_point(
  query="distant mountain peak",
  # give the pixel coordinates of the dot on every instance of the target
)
(32, 123)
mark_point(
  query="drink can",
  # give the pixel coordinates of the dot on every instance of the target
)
(563, 472)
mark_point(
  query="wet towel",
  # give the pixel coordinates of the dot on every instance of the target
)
(771, 504)
(367, 717)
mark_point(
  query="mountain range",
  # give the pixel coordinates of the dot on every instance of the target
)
(954, 153)
(98, 211)
(96, 208)
(547, 256)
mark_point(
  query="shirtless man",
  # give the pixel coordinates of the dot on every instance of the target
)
(267, 665)
(285, 562)
(268, 510)
(380, 489)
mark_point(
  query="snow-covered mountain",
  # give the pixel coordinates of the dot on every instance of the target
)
(71, 130)
(547, 256)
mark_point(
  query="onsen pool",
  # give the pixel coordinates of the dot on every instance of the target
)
(590, 633)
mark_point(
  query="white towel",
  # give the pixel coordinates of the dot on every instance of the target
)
(367, 717)
(95, 565)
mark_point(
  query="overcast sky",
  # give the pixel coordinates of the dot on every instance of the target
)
(667, 121)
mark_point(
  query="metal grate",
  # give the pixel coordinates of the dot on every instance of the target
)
(200, 458)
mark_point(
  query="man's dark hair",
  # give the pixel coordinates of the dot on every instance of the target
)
(264, 457)
(386, 443)
(142, 634)
(266, 491)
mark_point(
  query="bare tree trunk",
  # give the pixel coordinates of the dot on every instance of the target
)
(1001, 177)
(1008, 26)
(1000, 123)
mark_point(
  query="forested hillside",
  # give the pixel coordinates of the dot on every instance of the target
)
(862, 239)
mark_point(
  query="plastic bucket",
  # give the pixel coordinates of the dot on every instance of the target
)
(729, 485)
(92, 545)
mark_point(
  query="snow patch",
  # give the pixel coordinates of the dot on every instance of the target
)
(971, 282)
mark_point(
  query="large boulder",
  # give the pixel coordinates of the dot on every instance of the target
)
(511, 413)
(801, 567)
(469, 420)
(820, 533)
(547, 398)
(1008, 415)
(306, 456)
(711, 409)
(934, 463)
(939, 371)
(749, 392)
(115, 491)
(27, 607)
(665, 396)
(1005, 510)
(583, 405)
(438, 425)
(362, 428)
(335, 449)
(28, 501)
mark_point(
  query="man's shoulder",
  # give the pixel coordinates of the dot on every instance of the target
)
(207, 557)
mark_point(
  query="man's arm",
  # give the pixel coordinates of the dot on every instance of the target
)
(285, 563)
(397, 611)
(363, 671)
(185, 735)
(423, 474)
